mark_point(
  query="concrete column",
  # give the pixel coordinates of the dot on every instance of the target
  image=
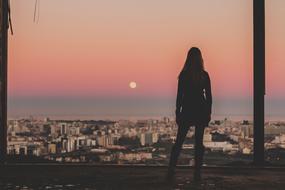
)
(259, 79)
(3, 78)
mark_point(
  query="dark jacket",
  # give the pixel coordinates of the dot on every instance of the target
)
(194, 100)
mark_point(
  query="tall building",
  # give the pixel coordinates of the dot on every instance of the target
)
(247, 131)
(64, 144)
(102, 140)
(64, 129)
(71, 144)
(148, 139)
(142, 139)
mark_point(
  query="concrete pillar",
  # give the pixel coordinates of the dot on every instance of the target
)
(3, 78)
(259, 79)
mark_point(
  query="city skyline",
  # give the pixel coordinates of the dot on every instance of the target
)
(146, 141)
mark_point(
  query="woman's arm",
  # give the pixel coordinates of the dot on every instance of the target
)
(208, 93)
(179, 97)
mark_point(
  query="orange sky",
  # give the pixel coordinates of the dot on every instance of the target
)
(95, 48)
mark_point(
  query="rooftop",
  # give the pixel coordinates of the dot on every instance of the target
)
(87, 176)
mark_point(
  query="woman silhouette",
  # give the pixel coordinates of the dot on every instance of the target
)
(193, 108)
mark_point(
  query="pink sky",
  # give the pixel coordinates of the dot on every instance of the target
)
(95, 48)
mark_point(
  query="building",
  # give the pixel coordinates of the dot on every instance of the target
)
(148, 139)
(101, 140)
(64, 129)
(142, 139)
(52, 148)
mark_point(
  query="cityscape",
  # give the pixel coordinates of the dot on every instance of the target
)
(145, 141)
(90, 91)
(127, 63)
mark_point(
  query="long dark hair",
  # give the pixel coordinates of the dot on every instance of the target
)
(194, 64)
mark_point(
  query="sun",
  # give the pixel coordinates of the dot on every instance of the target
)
(133, 85)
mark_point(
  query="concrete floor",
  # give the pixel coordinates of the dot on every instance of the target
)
(80, 176)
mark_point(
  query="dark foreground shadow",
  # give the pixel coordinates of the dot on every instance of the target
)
(50, 176)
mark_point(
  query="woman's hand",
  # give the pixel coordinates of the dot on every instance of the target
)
(178, 117)
(209, 117)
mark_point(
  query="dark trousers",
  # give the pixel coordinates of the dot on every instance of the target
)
(199, 147)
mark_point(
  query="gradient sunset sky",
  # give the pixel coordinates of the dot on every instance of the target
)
(81, 55)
